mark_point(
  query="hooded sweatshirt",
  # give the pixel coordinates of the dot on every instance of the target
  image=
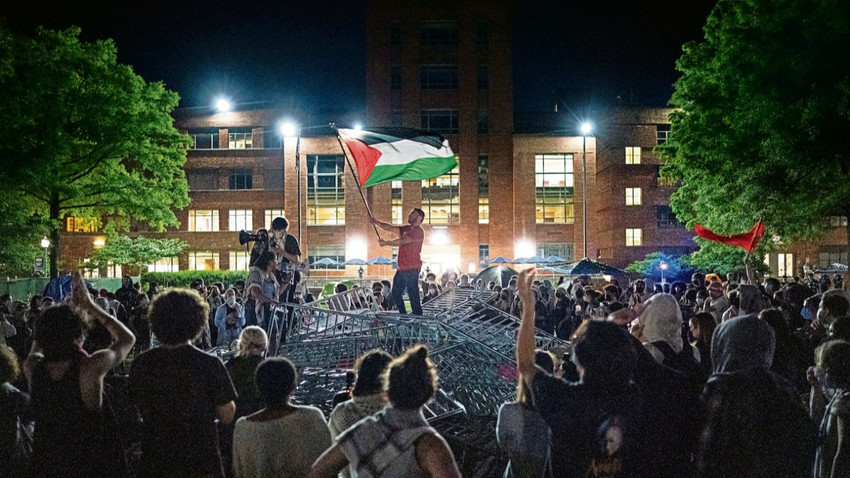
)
(662, 320)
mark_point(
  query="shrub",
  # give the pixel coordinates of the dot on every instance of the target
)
(185, 278)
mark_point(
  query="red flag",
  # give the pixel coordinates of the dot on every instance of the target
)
(748, 240)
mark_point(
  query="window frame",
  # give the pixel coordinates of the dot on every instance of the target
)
(541, 205)
(634, 237)
(335, 192)
(194, 216)
(243, 216)
(631, 157)
(634, 196)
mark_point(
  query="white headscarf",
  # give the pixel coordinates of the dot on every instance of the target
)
(662, 320)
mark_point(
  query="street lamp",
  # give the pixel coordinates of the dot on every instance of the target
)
(586, 129)
(223, 105)
(45, 244)
(663, 266)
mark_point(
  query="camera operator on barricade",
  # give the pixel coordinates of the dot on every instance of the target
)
(288, 253)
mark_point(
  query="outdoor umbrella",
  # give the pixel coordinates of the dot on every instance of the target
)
(499, 260)
(555, 259)
(325, 261)
(354, 262)
(520, 260)
(380, 261)
(536, 260)
(591, 267)
(498, 274)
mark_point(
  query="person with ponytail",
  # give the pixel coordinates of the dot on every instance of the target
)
(396, 441)
(66, 385)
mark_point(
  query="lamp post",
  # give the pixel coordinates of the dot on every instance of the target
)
(288, 129)
(663, 266)
(586, 128)
(45, 244)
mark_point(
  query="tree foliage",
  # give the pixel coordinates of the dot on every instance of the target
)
(650, 266)
(136, 253)
(722, 259)
(86, 136)
(764, 111)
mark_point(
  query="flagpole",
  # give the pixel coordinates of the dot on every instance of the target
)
(356, 181)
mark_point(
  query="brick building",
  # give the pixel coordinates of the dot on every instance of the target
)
(517, 190)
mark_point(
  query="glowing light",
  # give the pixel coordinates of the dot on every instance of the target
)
(586, 128)
(355, 248)
(439, 237)
(358, 127)
(286, 129)
(99, 242)
(663, 266)
(524, 248)
(223, 105)
(45, 243)
(471, 268)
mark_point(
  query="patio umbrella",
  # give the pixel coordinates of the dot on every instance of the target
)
(555, 259)
(536, 260)
(520, 260)
(498, 274)
(354, 262)
(325, 261)
(499, 260)
(591, 267)
(381, 261)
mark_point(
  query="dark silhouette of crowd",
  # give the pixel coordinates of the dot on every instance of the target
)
(712, 378)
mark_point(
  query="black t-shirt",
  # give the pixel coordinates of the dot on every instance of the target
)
(177, 392)
(290, 246)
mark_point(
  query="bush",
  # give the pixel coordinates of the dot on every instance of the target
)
(185, 278)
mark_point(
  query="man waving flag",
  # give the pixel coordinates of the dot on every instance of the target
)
(398, 154)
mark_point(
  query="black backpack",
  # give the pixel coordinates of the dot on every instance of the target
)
(683, 361)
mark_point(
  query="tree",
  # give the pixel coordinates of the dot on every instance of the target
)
(136, 253)
(722, 259)
(763, 114)
(650, 266)
(85, 136)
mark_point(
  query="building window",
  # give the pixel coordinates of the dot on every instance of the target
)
(80, 224)
(483, 121)
(827, 258)
(395, 77)
(483, 77)
(239, 260)
(337, 253)
(632, 154)
(203, 220)
(444, 33)
(90, 273)
(396, 194)
(113, 271)
(784, 265)
(273, 179)
(272, 139)
(438, 77)
(665, 218)
(204, 140)
(837, 221)
(662, 133)
(553, 180)
(396, 119)
(269, 216)
(203, 261)
(241, 220)
(440, 121)
(662, 181)
(395, 33)
(632, 196)
(482, 33)
(166, 264)
(441, 198)
(634, 237)
(202, 179)
(483, 189)
(325, 190)
(242, 178)
(240, 140)
(564, 250)
(484, 255)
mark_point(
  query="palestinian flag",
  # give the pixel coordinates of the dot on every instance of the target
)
(398, 154)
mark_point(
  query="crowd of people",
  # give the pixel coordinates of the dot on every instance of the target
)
(712, 378)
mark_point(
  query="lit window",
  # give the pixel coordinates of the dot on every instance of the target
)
(634, 237)
(203, 261)
(632, 196)
(838, 221)
(80, 224)
(239, 260)
(483, 189)
(270, 215)
(325, 190)
(632, 154)
(438, 77)
(241, 220)
(784, 265)
(240, 140)
(440, 121)
(166, 264)
(441, 198)
(203, 220)
(397, 212)
(316, 253)
(484, 255)
(564, 250)
(241, 179)
(90, 273)
(553, 179)
(827, 258)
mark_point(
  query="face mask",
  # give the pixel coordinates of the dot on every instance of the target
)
(230, 301)
(806, 313)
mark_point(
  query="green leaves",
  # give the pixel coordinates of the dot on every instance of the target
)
(136, 252)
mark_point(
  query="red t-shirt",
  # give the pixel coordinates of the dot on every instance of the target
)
(408, 254)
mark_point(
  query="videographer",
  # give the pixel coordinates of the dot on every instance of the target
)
(288, 254)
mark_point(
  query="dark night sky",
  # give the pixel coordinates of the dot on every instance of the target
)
(312, 52)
